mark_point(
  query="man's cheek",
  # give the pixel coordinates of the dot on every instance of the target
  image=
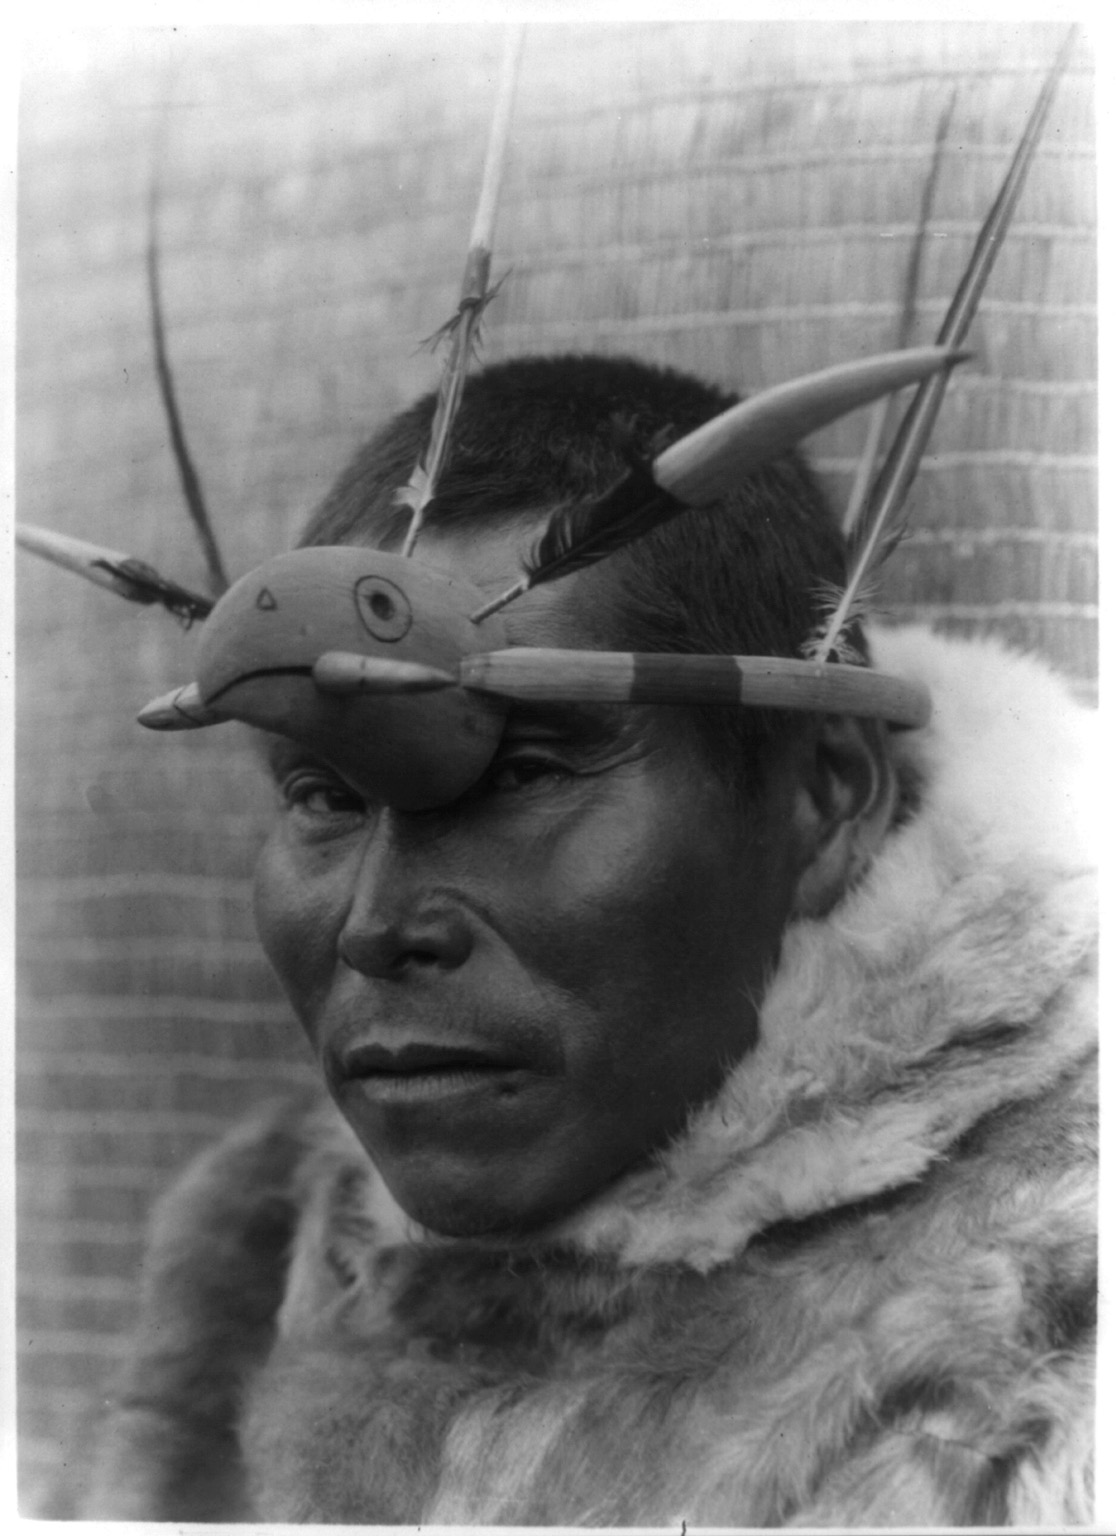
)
(596, 867)
(295, 927)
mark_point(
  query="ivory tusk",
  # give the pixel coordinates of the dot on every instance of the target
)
(707, 463)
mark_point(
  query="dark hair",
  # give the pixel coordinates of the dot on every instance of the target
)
(744, 577)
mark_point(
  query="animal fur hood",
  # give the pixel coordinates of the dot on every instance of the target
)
(947, 984)
(858, 1290)
(938, 990)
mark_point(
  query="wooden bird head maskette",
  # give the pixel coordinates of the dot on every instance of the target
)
(400, 671)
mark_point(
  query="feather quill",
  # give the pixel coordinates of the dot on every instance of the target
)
(462, 329)
(708, 463)
(883, 524)
(577, 536)
(881, 412)
(581, 535)
(123, 574)
(127, 576)
(187, 472)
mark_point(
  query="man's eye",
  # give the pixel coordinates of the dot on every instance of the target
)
(510, 774)
(313, 794)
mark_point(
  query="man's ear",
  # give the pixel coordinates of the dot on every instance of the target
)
(844, 805)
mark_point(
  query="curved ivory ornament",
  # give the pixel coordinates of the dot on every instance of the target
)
(705, 464)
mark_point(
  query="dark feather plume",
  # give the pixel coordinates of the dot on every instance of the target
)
(141, 583)
(187, 471)
(581, 535)
(577, 536)
(123, 574)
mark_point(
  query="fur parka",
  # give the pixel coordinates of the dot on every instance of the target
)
(858, 1291)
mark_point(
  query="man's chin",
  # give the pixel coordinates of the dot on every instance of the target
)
(455, 1205)
(474, 1215)
(478, 1176)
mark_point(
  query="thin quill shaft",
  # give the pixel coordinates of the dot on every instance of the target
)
(462, 329)
(187, 473)
(882, 410)
(883, 523)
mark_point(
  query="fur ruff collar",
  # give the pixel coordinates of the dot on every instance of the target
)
(946, 984)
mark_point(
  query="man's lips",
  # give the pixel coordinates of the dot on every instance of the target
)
(422, 1074)
(420, 1059)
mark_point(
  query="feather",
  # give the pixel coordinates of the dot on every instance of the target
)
(708, 463)
(462, 329)
(844, 647)
(881, 412)
(187, 473)
(583, 534)
(128, 577)
(883, 523)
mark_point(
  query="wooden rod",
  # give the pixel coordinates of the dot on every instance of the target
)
(622, 677)
(773, 682)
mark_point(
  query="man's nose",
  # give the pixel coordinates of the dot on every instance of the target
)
(402, 918)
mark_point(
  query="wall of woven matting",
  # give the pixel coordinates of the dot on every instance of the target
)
(738, 200)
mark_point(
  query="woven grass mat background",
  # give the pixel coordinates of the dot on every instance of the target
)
(738, 200)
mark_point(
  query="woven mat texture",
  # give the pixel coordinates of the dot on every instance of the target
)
(738, 200)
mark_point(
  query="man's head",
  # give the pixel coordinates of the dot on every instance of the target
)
(747, 578)
(519, 995)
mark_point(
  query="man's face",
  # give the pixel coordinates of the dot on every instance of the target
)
(517, 996)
